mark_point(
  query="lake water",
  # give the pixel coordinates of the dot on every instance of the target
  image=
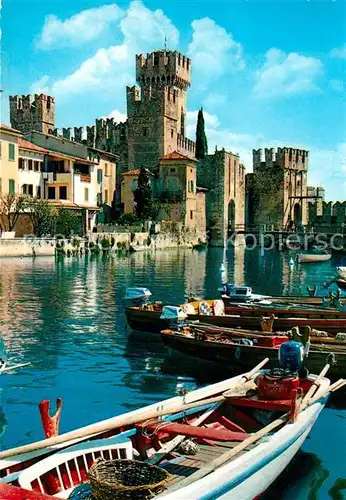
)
(66, 317)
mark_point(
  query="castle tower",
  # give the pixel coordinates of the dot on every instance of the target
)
(279, 187)
(157, 112)
(28, 113)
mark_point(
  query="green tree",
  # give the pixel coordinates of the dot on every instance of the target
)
(11, 206)
(201, 138)
(142, 195)
(42, 215)
(67, 222)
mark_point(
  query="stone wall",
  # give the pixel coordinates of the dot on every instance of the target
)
(224, 177)
(170, 236)
(327, 217)
(277, 189)
(24, 247)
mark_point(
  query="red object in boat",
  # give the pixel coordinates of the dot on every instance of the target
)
(50, 424)
(273, 341)
(273, 387)
(8, 492)
(196, 432)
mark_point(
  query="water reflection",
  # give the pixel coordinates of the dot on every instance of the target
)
(306, 476)
(66, 317)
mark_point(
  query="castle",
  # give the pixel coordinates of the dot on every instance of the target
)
(276, 194)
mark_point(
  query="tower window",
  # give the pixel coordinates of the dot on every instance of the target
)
(172, 170)
(156, 59)
(174, 95)
(191, 214)
(172, 133)
(145, 131)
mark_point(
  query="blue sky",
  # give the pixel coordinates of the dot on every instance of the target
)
(267, 73)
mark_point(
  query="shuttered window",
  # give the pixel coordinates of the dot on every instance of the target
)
(11, 152)
(11, 186)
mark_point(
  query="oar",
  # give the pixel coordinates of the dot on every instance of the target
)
(134, 417)
(315, 385)
(9, 368)
(241, 446)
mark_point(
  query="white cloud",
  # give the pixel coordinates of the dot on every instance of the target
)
(82, 27)
(327, 167)
(110, 69)
(287, 74)
(117, 115)
(147, 29)
(219, 137)
(213, 50)
(339, 53)
(40, 86)
(106, 70)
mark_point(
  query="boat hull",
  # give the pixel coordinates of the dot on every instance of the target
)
(150, 321)
(310, 258)
(243, 356)
(250, 475)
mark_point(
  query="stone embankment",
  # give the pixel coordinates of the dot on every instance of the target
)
(96, 243)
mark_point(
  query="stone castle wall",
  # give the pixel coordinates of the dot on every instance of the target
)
(327, 217)
(224, 176)
(277, 189)
(28, 113)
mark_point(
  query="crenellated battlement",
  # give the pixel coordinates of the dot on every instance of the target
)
(106, 134)
(163, 68)
(286, 157)
(186, 146)
(29, 112)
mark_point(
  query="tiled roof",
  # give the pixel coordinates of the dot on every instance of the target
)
(132, 172)
(23, 144)
(175, 156)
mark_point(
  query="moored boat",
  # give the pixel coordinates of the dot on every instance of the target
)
(341, 271)
(313, 257)
(245, 351)
(244, 431)
(341, 283)
(152, 317)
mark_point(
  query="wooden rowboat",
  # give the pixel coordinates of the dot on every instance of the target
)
(242, 353)
(228, 457)
(341, 283)
(341, 271)
(148, 318)
(312, 257)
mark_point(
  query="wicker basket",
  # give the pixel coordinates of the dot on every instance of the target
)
(126, 479)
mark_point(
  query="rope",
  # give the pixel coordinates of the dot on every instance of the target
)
(160, 425)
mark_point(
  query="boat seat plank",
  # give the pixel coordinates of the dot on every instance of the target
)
(199, 432)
